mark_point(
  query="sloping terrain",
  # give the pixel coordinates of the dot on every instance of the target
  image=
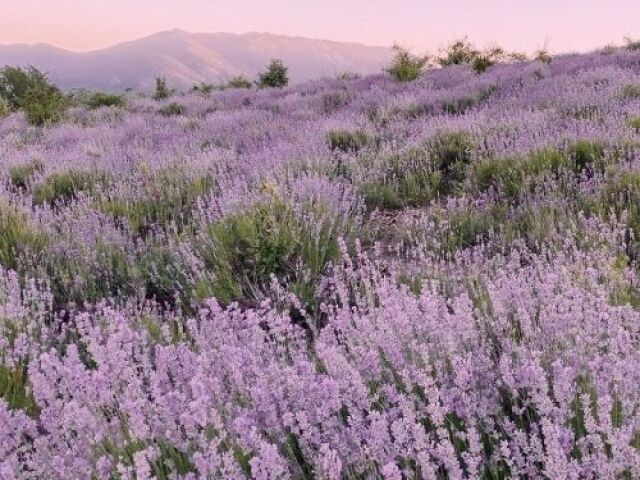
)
(340, 279)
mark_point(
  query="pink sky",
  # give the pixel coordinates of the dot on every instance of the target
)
(564, 25)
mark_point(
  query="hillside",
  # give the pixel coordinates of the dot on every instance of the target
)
(189, 58)
(341, 279)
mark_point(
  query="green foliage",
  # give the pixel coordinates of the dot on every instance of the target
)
(65, 186)
(168, 200)
(43, 105)
(4, 107)
(346, 141)
(30, 91)
(630, 91)
(239, 81)
(275, 76)
(172, 109)
(634, 123)
(451, 152)
(405, 66)
(99, 99)
(162, 91)
(460, 52)
(17, 237)
(334, 101)
(409, 180)
(14, 389)
(203, 88)
(469, 227)
(482, 61)
(164, 276)
(503, 174)
(245, 249)
(20, 175)
(586, 154)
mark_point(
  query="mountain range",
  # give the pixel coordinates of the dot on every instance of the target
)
(185, 59)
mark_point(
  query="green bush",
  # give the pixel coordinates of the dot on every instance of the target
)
(451, 153)
(17, 237)
(503, 174)
(171, 110)
(239, 81)
(460, 52)
(409, 180)
(162, 91)
(275, 76)
(245, 249)
(346, 141)
(30, 91)
(65, 186)
(487, 59)
(405, 66)
(98, 99)
(587, 156)
(20, 175)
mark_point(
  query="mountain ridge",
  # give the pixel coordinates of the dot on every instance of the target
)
(185, 58)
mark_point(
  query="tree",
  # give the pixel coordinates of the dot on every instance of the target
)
(29, 89)
(406, 67)
(275, 76)
(162, 91)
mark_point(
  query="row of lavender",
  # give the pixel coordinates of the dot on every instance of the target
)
(352, 278)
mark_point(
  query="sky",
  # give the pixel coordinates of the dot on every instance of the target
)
(422, 25)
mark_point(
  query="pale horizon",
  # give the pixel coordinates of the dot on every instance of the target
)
(573, 26)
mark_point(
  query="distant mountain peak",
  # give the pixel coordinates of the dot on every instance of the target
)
(185, 58)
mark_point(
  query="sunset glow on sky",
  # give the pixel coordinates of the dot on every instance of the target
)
(562, 25)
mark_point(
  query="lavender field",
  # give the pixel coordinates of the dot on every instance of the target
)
(353, 278)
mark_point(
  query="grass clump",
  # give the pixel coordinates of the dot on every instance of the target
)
(409, 180)
(503, 174)
(405, 66)
(172, 109)
(634, 123)
(239, 81)
(630, 92)
(17, 237)
(451, 153)
(346, 141)
(99, 99)
(65, 186)
(168, 200)
(14, 389)
(20, 175)
(245, 250)
(4, 107)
